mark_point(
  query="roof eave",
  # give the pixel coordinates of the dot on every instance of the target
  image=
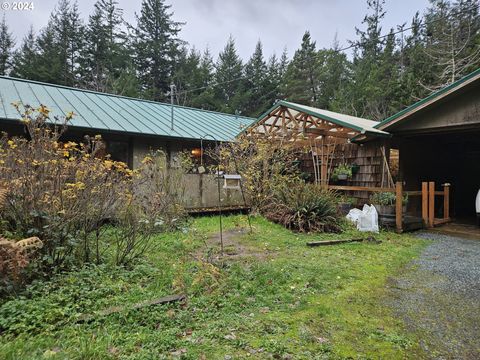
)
(429, 100)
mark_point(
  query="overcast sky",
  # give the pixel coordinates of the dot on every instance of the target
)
(278, 23)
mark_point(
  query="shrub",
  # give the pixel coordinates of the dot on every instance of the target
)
(304, 208)
(60, 192)
(387, 199)
(151, 206)
(65, 193)
(264, 165)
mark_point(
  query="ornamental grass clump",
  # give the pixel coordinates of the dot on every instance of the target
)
(305, 208)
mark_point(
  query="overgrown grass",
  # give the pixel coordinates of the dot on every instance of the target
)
(277, 299)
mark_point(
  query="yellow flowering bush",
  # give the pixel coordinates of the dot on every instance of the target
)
(68, 195)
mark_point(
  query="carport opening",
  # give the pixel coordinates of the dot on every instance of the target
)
(446, 158)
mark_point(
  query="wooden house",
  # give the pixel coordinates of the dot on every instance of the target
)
(130, 128)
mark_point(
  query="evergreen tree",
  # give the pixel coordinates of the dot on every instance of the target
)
(278, 75)
(94, 57)
(387, 102)
(7, 44)
(204, 97)
(257, 82)
(414, 67)
(332, 74)
(301, 76)
(186, 74)
(365, 94)
(59, 45)
(49, 67)
(68, 31)
(156, 47)
(126, 83)
(25, 58)
(229, 88)
(105, 54)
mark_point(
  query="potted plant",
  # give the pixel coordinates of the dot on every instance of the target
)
(342, 172)
(384, 203)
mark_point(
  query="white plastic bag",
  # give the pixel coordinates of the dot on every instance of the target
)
(368, 220)
(365, 219)
(353, 215)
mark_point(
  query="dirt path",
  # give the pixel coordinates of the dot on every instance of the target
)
(438, 296)
(235, 246)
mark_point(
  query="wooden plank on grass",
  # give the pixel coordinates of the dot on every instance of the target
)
(332, 242)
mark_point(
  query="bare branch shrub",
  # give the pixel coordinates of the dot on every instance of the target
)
(264, 165)
(151, 206)
(65, 193)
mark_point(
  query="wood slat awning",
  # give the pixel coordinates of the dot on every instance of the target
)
(300, 124)
(320, 131)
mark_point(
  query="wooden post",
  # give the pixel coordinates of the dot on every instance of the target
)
(399, 206)
(446, 201)
(425, 203)
(431, 203)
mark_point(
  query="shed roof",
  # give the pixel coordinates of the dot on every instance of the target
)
(301, 121)
(114, 113)
(360, 124)
(429, 100)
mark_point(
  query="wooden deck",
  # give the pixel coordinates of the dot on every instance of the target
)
(468, 231)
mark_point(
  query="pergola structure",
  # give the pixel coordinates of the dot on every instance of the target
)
(320, 130)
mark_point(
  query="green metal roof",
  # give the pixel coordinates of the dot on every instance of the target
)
(432, 98)
(114, 113)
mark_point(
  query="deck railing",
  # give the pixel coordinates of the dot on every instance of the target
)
(427, 193)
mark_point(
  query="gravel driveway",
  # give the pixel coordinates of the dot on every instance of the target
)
(438, 296)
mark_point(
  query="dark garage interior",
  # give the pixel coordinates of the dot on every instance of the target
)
(452, 157)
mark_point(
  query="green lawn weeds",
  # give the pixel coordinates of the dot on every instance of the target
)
(270, 296)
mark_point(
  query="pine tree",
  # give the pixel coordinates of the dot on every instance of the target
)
(365, 93)
(278, 76)
(204, 97)
(68, 29)
(7, 44)
(301, 76)
(126, 83)
(49, 67)
(414, 66)
(105, 55)
(94, 57)
(186, 74)
(272, 84)
(256, 82)
(229, 88)
(59, 45)
(332, 74)
(25, 58)
(387, 102)
(156, 47)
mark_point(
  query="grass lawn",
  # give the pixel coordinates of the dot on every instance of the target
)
(271, 298)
